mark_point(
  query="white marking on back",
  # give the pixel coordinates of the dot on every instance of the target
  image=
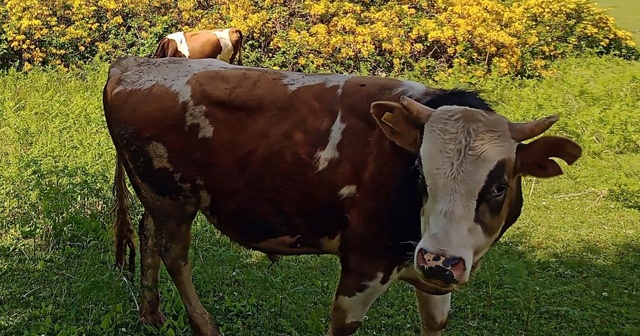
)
(181, 42)
(195, 116)
(295, 80)
(170, 73)
(159, 155)
(331, 151)
(174, 75)
(225, 42)
(347, 191)
(411, 89)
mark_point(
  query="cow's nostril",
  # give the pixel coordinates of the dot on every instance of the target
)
(449, 262)
(457, 266)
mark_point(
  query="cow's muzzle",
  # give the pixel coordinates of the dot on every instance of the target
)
(444, 272)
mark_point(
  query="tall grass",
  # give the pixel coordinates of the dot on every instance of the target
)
(55, 155)
(568, 267)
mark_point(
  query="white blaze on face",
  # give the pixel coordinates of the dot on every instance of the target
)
(225, 42)
(460, 147)
(331, 151)
(181, 42)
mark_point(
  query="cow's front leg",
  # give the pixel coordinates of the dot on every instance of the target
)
(434, 312)
(356, 292)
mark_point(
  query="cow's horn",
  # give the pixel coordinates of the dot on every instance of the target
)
(528, 130)
(418, 111)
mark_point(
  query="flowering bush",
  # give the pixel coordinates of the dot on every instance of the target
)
(518, 37)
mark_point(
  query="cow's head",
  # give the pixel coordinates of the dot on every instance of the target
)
(472, 162)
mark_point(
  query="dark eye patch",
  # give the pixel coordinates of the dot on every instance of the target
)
(489, 196)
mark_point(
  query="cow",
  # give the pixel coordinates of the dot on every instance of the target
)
(223, 44)
(398, 180)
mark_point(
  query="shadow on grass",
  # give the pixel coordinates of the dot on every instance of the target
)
(73, 289)
(586, 291)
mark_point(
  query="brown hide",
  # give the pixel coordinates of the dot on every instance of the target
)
(259, 166)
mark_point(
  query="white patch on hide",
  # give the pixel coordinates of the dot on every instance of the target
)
(356, 307)
(411, 89)
(225, 42)
(295, 80)
(195, 116)
(347, 191)
(331, 151)
(172, 73)
(159, 155)
(181, 42)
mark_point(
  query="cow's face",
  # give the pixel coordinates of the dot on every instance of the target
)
(472, 162)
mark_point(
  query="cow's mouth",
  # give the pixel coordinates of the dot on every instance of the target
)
(437, 273)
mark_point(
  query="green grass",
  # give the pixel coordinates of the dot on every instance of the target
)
(568, 267)
(626, 13)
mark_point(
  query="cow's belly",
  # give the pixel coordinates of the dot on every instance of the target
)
(275, 238)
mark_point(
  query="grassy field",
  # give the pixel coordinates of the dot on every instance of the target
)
(568, 267)
(627, 14)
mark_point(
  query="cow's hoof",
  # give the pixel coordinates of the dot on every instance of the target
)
(213, 331)
(157, 319)
(273, 257)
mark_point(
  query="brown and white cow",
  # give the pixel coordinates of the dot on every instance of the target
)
(223, 44)
(398, 180)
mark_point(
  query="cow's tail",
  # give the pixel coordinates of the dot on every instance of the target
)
(122, 227)
(161, 50)
(240, 42)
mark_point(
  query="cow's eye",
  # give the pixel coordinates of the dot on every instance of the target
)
(499, 190)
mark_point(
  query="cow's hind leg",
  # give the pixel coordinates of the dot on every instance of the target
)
(356, 292)
(434, 312)
(174, 236)
(149, 271)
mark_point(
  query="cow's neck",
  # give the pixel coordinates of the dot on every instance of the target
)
(408, 199)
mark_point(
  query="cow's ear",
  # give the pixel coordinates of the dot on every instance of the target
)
(534, 158)
(402, 123)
